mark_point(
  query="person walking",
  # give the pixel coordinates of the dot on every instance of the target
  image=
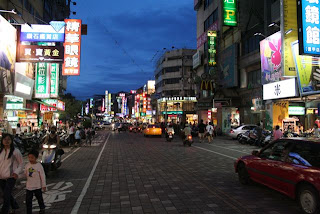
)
(11, 165)
(36, 182)
(71, 133)
(209, 130)
(88, 136)
(277, 134)
(78, 137)
(202, 129)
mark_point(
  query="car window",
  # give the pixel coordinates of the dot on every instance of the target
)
(307, 154)
(252, 127)
(245, 128)
(277, 151)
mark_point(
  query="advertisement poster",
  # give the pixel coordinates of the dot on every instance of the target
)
(228, 63)
(8, 41)
(289, 22)
(270, 53)
(42, 89)
(308, 71)
(280, 112)
(226, 121)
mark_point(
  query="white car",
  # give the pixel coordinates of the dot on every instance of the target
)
(235, 132)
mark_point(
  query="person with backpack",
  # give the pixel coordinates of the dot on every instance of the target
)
(209, 130)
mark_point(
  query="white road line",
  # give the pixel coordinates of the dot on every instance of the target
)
(77, 205)
(70, 154)
(233, 158)
(230, 149)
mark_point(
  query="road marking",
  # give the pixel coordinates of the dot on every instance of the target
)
(229, 149)
(77, 205)
(70, 154)
(233, 158)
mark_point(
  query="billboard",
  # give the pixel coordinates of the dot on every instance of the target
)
(280, 89)
(270, 54)
(37, 53)
(43, 33)
(309, 27)
(54, 80)
(230, 12)
(42, 87)
(228, 63)
(308, 71)
(288, 23)
(8, 42)
(72, 46)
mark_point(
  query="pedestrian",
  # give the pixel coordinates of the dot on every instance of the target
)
(277, 134)
(261, 124)
(209, 133)
(18, 130)
(315, 130)
(36, 182)
(88, 136)
(202, 129)
(71, 133)
(11, 165)
(78, 137)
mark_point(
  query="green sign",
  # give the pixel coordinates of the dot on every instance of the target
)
(172, 112)
(143, 114)
(42, 89)
(54, 80)
(212, 38)
(230, 12)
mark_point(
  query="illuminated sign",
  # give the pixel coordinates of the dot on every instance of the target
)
(72, 45)
(230, 12)
(296, 110)
(203, 38)
(54, 80)
(212, 37)
(133, 92)
(106, 99)
(309, 27)
(91, 102)
(281, 89)
(109, 104)
(38, 53)
(122, 95)
(43, 33)
(60, 105)
(23, 86)
(42, 89)
(13, 102)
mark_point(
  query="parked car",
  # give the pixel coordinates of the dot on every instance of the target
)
(235, 132)
(153, 130)
(290, 166)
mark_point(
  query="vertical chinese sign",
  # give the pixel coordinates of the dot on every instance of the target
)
(212, 35)
(230, 12)
(54, 80)
(72, 46)
(42, 89)
(309, 27)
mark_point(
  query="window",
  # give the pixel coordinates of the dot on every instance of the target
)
(207, 3)
(172, 81)
(211, 19)
(307, 154)
(251, 44)
(254, 78)
(172, 69)
(277, 151)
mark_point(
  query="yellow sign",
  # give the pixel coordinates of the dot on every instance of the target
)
(289, 17)
(22, 114)
(48, 116)
(280, 112)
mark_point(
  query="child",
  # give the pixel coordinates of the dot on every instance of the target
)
(36, 182)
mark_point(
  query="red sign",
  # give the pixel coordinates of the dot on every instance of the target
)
(72, 46)
(46, 108)
(204, 37)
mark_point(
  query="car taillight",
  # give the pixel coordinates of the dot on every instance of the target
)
(147, 130)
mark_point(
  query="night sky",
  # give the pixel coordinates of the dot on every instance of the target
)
(123, 37)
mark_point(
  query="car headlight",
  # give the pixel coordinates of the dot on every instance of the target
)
(53, 146)
(45, 146)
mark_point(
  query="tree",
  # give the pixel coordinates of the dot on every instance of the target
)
(72, 107)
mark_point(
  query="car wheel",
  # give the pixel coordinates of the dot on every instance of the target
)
(243, 174)
(308, 199)
(238, 137)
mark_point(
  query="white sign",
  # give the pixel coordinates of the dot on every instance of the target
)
(296, 110)
(281, 89)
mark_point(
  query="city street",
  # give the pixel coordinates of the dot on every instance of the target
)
(127, 173)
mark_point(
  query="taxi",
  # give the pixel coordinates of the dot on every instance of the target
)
(153, 130)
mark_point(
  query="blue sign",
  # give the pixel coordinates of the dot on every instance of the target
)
(309, 26)
(228, 63)
(42, 33)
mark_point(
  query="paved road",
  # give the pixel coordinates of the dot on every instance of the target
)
(127, 173)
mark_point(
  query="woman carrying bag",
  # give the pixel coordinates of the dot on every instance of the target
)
(11, 165)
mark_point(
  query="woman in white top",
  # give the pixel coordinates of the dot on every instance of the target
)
(11, 165)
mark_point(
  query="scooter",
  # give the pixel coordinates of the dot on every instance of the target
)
(169, 136)
(188, 141)
(51, 157)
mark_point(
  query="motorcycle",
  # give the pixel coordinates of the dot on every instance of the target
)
(51, 157)
(169, 136)
(188, 141)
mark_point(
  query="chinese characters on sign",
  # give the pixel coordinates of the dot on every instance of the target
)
(212, 35)
(230, 12)
(54, 80)
(42, 89)
(43, 33)
(35, 53)
(310, 27)
(72, 44)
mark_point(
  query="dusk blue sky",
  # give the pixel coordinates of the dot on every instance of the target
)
(141, 28)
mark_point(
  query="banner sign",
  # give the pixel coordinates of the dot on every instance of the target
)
(308, 71)
(60, 105)
(296, 110)
(42, 88)
(37, 53)
(72, 46)
(54, 80)
(309, 27)
(204, 36)
(280, 112)
(228, 63)
(270, 53)
(43, 33)
(281, 89)
(212, 51)
(288, 23)
(13, 102)
(230, 12)
(47, 116)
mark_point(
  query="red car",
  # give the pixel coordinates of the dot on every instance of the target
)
(290, 166)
